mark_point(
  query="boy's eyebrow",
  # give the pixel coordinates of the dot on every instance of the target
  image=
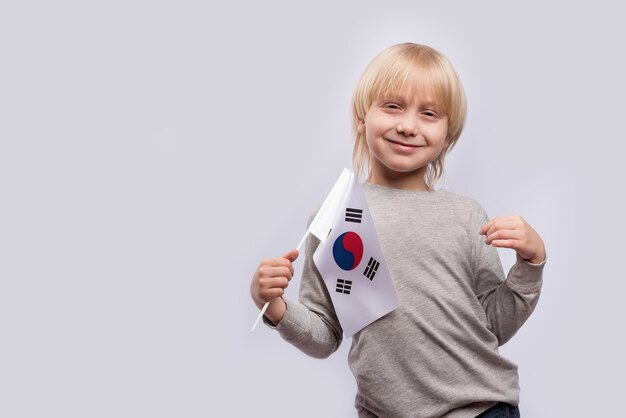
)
(431, 104)
(393, 96)
(403, 98)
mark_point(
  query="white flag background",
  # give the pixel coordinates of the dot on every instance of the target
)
(352, 264)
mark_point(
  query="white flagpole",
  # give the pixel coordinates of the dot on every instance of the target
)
(324, 215)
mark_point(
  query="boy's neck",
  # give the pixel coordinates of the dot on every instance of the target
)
(405, 181)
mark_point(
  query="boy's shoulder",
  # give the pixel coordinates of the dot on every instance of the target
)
(460, 199)
(463, 204)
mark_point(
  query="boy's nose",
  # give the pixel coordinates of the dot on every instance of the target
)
(407, 126)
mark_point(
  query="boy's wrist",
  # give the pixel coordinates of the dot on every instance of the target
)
(276, 310)
(537, 260)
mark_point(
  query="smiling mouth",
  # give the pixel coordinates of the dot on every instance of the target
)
(402, 144)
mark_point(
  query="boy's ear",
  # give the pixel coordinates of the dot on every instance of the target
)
(360, 125)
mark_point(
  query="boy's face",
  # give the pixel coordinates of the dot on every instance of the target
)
(404, 135)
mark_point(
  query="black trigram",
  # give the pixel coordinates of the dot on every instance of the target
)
(370, 270)
(343, 286)
(354, 215)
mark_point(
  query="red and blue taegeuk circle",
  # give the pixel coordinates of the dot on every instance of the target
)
(348, 250)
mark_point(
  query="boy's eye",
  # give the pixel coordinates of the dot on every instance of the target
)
(392, 105)
(430, 113)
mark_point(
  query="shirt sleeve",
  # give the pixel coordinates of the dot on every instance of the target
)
(507, 302)
(311, 324)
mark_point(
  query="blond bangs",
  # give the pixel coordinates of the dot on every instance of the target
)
(407, 80)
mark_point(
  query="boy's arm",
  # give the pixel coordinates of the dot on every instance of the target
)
(507, 303)
(311, 324)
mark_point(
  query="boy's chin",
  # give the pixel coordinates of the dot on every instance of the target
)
(403, 170)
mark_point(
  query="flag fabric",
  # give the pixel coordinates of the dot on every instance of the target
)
(325, 216)
(351, 262)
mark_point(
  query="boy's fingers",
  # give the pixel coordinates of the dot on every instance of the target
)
(496, 224)
(505, 243)
(286, 259)
(291, 255)
(277, 271)
(273, 293)
(276, 292)
(274, 282)
(278, 267)
(502, 234)
(483, 229)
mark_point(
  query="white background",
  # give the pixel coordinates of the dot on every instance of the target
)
(152, 153)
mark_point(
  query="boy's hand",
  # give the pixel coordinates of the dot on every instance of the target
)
(270, 281)
(514, 232)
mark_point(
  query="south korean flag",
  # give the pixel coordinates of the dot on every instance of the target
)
(352, 264)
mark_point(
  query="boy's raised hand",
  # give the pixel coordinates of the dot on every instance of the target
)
(270, 281)
(514, 232)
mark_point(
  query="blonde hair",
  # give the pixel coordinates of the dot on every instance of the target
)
(422, 69)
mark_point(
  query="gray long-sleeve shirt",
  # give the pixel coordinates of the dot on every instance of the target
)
(436, 355)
